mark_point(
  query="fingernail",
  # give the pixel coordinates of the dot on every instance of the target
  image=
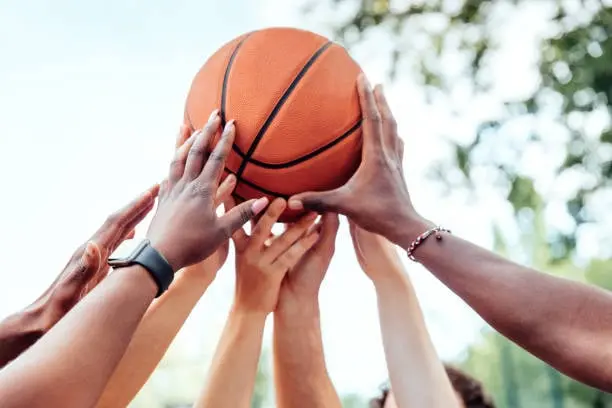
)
(213, 115)
(259, 205)
(194, 135)
(296, 205)
(228, 127)
(366, 82)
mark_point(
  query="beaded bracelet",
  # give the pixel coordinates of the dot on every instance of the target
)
(419, 240)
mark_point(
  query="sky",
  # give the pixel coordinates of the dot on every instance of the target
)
(91, 98)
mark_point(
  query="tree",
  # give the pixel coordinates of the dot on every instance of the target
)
(566, 114)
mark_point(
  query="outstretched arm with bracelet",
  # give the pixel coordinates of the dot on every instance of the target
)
(565, 323)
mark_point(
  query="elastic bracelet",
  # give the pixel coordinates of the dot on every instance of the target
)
(421, 238)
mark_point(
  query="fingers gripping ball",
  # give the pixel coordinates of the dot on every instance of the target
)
(294, 98)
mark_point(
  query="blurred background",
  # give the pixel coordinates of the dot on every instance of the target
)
(504, 107)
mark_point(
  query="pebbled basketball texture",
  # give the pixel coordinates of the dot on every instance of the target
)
(294, 98)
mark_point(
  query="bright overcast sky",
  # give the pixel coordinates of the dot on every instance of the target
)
(91, 97)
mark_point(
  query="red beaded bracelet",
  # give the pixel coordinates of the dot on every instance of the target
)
(419, 240)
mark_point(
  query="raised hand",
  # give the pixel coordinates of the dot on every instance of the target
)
(300, 375)
(300, 287)
(261, 264)
(376, 197)
(87, 266)
(186, 228)
(376, 255)
(206, 270)
(260, 269)
(85, 269)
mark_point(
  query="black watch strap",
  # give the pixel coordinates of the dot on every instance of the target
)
(153, 261)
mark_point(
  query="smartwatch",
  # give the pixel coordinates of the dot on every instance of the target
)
(143, 254)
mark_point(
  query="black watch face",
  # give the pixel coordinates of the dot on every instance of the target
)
(126, 252)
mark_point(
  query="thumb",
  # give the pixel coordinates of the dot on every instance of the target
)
(329, 228)
(86, 266)
(239, 237)
(235, 218)
(323, 201)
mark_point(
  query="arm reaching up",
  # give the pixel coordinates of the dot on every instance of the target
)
(162, 322)
(260, 269)
(86, 268)
(566, 324)
(85, 346)
(165, 317)
(300, 374)
(417, 375)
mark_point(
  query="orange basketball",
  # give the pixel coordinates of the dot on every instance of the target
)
(294, 98)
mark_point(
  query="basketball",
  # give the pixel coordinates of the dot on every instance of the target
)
(293, 95)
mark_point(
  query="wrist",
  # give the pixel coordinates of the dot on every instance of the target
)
(410, 226)
(242, 314)
(296, 310)
(33, 319)
(387, 283)
(138, 277)
(167, 253)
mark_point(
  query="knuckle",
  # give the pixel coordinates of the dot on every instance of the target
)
(176, 166)
(197, 150)
(200, 189)
(391, 122)
(245, 215)
(217, 156)
(283, 262)
(374, 116)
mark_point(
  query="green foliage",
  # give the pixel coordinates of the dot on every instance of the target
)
(573, 92)
(515, 378)
(599, 273)
(354, 401)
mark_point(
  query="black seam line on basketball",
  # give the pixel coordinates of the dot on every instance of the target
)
(301, 159)
(255, 186)
(239, 196)
(279, 105)
(223, 86)
(226, 75)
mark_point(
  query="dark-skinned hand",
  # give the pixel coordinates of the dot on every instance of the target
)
(186, 228)
(85, 269)
(376, 197)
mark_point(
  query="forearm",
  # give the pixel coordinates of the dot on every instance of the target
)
(565, 323)
(83, 348)
(300, 374)
(154, 334)
(18, 332)
(234, 368)
(418, 378)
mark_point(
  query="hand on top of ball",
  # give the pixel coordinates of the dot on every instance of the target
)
(185, 228)
(376, 197)
(205, 271)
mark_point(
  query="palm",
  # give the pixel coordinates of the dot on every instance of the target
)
(304, 280)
